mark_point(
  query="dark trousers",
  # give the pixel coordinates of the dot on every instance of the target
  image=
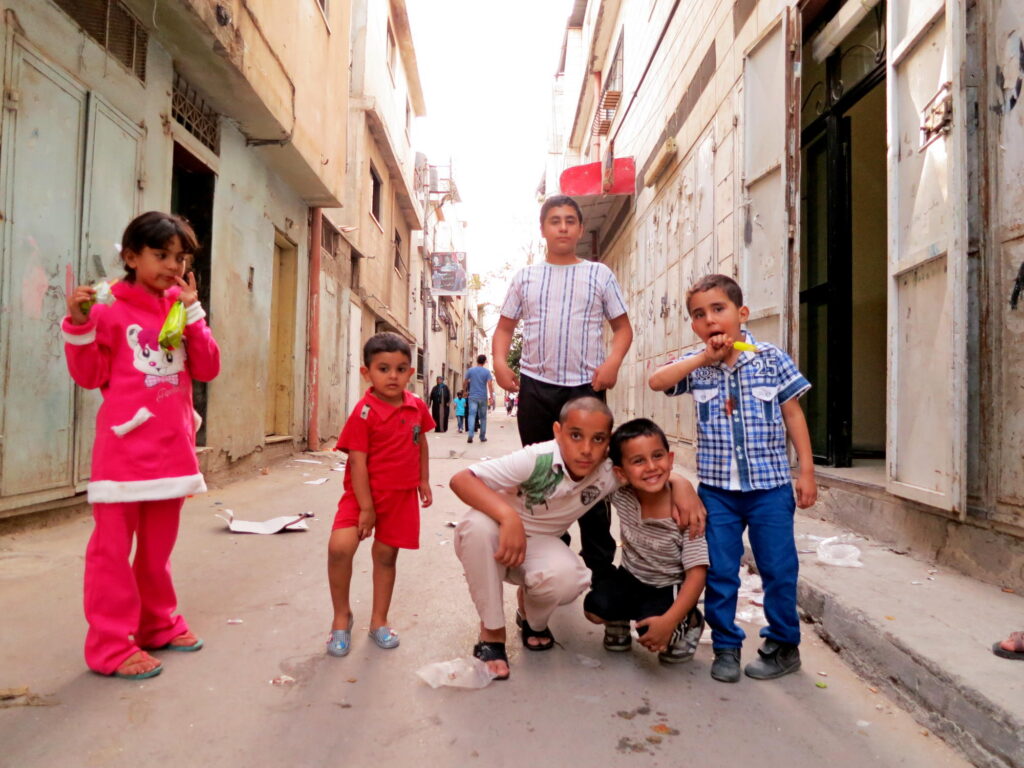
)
(440, 414)
(539, 406)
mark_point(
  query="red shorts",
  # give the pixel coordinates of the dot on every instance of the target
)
(398, 517)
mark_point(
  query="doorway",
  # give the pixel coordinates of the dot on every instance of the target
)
(192, 186)
(281, 356)
(843, 282)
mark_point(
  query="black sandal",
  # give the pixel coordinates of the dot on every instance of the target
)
(490, 651)
(527, 632)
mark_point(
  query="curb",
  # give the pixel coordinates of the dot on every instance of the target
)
(987, 734)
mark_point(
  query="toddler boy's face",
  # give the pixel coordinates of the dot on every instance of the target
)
(646, 463)
(389, 373)
(583, 441)
(713, 313)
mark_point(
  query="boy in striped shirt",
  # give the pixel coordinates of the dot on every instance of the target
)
(663, 570)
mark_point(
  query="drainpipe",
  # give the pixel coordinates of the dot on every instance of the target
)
(313, 374)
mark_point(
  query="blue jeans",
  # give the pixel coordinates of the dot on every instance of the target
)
(478, 409)
(462, 421)
(768, 516)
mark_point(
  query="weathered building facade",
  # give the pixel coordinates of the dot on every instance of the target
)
(231, 113)
(450, 326)
(383, 207)
(856, 166)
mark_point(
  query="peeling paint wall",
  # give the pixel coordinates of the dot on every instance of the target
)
(1006, 152)
(718, 207)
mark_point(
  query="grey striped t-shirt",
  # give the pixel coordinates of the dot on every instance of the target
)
(655, 551)
(563, 308)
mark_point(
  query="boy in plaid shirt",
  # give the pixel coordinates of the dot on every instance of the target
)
(746, 402)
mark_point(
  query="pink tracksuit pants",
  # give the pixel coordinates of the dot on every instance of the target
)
(130, 604)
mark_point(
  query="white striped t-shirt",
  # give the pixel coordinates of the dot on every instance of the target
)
(563, 308)
(655, 551)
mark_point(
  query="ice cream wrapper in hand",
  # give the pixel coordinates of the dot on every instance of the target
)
(173, 327)
(103, 295)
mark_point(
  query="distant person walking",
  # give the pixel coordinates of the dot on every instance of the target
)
(440, 404)
(480, 389)
(460, 410)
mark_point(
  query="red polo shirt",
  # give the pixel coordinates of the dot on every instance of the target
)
(390, 437)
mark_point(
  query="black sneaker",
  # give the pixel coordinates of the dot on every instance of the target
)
(683, 645)
(776, 659)
(726, 666)
(469, 439)
(616, 636)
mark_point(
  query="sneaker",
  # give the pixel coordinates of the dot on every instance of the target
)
(726, 666)
(469, 439)
(616, 636)
(776, 659)
(683, 645)
(483, 439)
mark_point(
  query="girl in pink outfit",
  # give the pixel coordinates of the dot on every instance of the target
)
(144, 456)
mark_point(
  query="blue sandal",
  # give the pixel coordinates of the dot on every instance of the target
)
(182, 648)
(384, 637)
(340, 642)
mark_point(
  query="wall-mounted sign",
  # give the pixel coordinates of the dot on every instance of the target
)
(448, 274)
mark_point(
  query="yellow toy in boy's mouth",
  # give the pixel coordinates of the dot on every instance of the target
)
(742, 346)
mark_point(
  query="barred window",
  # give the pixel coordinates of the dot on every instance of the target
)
(192, 112)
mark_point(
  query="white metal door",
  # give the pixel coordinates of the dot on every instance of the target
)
(768, 185)
(927, 180)
(113, 162)
(40, 183)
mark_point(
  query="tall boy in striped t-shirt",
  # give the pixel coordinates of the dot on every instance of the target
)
(564, 304)
(663, 569)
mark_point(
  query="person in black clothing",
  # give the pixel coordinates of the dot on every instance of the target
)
(440, 401)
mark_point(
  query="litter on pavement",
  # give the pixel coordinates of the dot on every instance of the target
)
(457, 673)
(273, 525)
(321, 481)
(837, 550)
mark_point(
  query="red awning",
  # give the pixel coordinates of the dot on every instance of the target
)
(601, 206)
(589, 179)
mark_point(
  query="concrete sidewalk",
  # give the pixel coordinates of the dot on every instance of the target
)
(924, 635)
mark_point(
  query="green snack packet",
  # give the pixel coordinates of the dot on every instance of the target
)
(103, 295)
(173, 327)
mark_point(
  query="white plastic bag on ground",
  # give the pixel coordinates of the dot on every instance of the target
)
(750, 600)
(838, 550)
(458, 673)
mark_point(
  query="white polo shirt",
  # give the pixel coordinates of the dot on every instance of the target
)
(539, 487)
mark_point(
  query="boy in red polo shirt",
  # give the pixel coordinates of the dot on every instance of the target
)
(385, 438)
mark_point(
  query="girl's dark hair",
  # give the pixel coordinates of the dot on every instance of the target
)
(385, 342)
(630, 431)
(154, 230)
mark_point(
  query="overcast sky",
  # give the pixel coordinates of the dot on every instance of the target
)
(487, 69)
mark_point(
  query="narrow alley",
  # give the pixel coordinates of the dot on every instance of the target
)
(262, 606)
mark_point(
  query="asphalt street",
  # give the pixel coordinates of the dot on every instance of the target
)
(263, 693)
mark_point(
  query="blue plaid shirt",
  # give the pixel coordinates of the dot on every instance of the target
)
(739, 417)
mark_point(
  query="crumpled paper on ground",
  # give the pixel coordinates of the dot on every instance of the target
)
(273, 525)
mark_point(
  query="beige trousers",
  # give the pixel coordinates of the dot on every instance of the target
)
(551, 575)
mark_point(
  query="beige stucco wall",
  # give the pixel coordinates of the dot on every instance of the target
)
(260, 193)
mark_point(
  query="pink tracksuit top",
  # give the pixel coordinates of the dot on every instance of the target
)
(145, 447)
